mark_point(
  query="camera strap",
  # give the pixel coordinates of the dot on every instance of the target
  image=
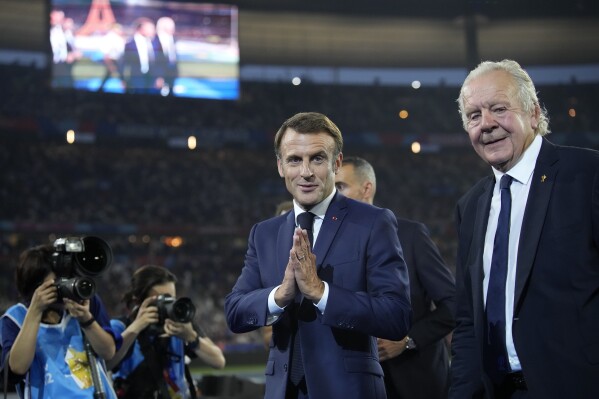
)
(155, 356)
(192, 385)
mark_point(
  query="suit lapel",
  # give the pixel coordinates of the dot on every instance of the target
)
(285, 241)
(475, 256)
(534, 215)
(330, 225)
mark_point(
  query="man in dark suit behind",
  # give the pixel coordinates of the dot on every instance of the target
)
(141, 71)
(166, 47)
(536, 335)
(326, 305)
(417, 366)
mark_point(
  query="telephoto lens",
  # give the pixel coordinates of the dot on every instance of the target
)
(76, 256)
(96, 258)
(182, 310)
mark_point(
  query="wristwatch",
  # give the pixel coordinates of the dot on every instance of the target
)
(410, 344)
(193, 345)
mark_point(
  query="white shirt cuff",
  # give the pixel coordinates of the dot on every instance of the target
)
(274, 310)
(322, 304)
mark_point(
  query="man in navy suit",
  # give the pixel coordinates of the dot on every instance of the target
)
(417, 366)
(543, 342)
(326, 303)
(141, 71)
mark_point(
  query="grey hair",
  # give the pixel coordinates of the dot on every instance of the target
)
(362, 169)
(526, 91)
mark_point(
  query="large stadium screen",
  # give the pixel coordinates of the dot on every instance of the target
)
(146, 47)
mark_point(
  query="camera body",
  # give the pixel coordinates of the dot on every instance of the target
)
(76, 288)
(75, 261)
(181, 310)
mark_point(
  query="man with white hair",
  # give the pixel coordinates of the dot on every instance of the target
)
(165, 41)
(528, 254)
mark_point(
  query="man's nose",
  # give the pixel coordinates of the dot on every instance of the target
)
(488, 121)
(306, 171)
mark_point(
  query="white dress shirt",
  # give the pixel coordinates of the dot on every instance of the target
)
(145, 51)
(522, 174)
(58, 41)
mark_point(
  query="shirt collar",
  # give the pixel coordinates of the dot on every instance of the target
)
(319, 209)
(523, 170)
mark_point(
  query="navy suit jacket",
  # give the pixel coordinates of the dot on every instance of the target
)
(556, 300)
(424, 372)
(358, 254)
(130, 65)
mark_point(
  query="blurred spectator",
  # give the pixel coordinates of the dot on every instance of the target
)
(165, 42)
(113, 48)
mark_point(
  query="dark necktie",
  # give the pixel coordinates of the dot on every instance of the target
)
(496, 353)
(306, 220)
(296, 375)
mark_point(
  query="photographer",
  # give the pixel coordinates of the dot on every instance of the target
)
(44, 337)
(157, 336)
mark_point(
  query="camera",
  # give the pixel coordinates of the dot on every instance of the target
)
(181, 310)
(76, 288)
(75, 262)
(87, 256)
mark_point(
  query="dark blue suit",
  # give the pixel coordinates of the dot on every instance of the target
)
(556, 300)
(130, 65)
(358, 254)
(423, 373)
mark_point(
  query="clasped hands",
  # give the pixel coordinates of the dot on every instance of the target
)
(300, 274)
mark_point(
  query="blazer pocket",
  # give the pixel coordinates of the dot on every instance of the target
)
(270, 367)
(343, 257)
(363, 365)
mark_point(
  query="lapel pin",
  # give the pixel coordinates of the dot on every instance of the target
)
(334, 217)
(543, 178)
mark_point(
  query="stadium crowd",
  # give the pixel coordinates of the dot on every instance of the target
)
(138, 193)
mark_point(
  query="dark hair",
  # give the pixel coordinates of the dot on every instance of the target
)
(143, 280)
(139, 22)
(310, 122)
(34, 266)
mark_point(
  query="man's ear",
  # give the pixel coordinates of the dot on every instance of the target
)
(280, 168)
(535, 117)
(338, 163)
(367, 189)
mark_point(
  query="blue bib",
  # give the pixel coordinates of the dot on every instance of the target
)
(60, 368)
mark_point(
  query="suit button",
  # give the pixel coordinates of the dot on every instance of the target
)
(285, 367)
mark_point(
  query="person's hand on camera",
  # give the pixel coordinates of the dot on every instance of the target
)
(44, 295)
(78, 310)
(184, 331)
(147, 314)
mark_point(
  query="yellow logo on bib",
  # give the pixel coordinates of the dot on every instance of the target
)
(79, 366)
